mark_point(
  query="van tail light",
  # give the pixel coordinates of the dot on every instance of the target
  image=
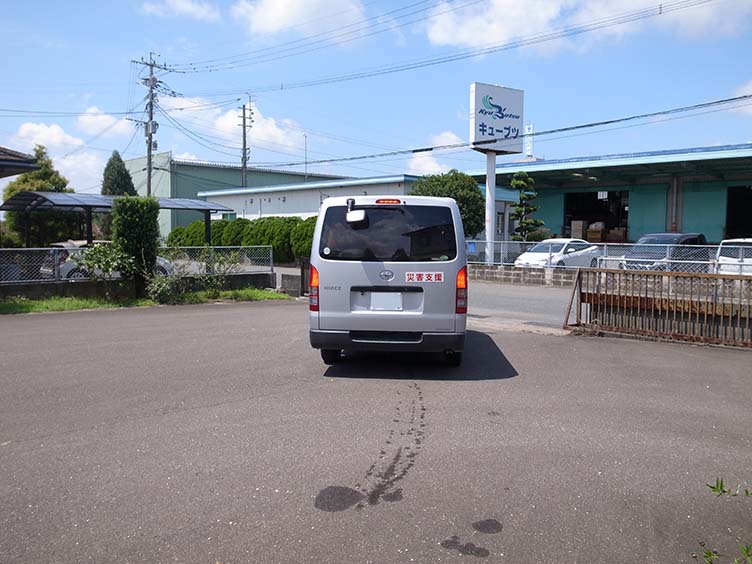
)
(461, 302)
(313, 289)
(388, 201)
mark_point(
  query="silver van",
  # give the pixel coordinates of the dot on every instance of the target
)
(388, 273)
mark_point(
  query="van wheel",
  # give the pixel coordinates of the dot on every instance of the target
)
(331, 356)
(453, 358)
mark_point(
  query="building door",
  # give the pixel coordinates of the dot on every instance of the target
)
(739, 212)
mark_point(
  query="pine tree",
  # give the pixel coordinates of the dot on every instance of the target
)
(117, 180)
(524, 209)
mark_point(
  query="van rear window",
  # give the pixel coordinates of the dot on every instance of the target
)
(390, 233)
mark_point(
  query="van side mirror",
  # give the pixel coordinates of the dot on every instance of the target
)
(356, 216)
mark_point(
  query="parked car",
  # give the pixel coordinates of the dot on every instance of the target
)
(560, 252)
(734, 256)
(676, 252)
(67, 253)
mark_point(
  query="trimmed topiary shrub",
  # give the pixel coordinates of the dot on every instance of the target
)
(217, 228)
(273, 231)
(194, 234)
(135, 225)
(301, 237)
(176, 238)
(232, 236)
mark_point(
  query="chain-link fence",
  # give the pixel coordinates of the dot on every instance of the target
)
(57, 263)
(188, 261)
(728, 258)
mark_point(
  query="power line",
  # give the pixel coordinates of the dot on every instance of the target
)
(536, 134)
(275, 54)
(624, 18)
(15, 112)
(261, 143)
(287, 28)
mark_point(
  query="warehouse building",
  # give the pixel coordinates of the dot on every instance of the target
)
(178, 178)
(621, 197)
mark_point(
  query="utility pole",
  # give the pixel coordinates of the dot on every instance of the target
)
(150, 126)
(305, 160)
(244, 158)
(247, 124)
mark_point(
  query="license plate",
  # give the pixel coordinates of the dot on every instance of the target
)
(386, 301)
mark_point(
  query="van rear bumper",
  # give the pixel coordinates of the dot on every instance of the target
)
(387, 341)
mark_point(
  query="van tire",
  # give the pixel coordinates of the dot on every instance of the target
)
(453, 358)
(331, 356)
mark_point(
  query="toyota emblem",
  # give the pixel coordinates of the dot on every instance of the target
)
(386, 275)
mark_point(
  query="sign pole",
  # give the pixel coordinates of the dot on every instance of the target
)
(490, 205)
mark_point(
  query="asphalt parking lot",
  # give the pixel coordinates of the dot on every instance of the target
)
(215, 434)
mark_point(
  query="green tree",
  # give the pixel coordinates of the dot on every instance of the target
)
(44, 227)
(523, 210)
(464, 189)
(116, 181)
(135, 225)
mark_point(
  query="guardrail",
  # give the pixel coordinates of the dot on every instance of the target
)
(706, 308)
(729, 259)
(55, 264)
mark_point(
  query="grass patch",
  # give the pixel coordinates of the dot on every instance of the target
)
(242, 295)
(24, 305)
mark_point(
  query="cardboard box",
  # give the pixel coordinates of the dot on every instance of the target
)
(594, 235)
(578, 229)
(617, 234)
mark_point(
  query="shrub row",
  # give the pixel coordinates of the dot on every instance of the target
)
(290, 237)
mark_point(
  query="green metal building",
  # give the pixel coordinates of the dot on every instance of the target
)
(177, 178)
(706, 190)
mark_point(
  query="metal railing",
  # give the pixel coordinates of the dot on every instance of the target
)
(625, 256)
(62, 264)
(707, 308)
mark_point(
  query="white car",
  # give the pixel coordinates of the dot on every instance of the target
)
(67, 252)
(560, 252)
(734, 256)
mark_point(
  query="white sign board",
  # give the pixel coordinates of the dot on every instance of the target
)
(496, 121)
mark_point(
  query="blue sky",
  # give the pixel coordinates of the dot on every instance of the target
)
(74, 58)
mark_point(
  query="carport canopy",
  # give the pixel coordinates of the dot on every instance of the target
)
(27, 202)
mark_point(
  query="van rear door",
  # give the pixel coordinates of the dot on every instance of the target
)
(395, 271)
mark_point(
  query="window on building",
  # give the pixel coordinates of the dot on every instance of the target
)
(229, 216)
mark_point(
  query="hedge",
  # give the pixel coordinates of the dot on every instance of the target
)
(274, 231)
(301, 238)
(135, 230)
(232, 236)
(290, 237)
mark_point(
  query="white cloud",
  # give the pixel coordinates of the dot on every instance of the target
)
(505, 20)
(185, 156)
(310, 16)
(281, 133)
(96, 122)
(51, 136)
(82, 168)
(445, 138)
(425, 163)
(743, 90)
(202, 11)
